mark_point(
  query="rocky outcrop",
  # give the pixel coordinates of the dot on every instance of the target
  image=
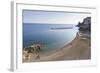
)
(85, 26)
(35, 48)
(30, 50)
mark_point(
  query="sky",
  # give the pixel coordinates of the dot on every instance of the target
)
(51, 17)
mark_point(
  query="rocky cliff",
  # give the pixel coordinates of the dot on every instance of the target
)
(85, 26)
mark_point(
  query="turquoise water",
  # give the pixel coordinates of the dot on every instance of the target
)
(51, 36)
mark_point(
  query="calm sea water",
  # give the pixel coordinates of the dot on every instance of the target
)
(50, 36)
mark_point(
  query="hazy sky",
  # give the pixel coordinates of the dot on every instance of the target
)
(30, 16)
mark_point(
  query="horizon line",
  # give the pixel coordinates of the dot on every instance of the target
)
(49, 23)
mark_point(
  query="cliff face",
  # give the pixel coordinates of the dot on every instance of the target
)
(85, 26)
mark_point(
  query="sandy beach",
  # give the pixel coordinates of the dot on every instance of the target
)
(78, 49)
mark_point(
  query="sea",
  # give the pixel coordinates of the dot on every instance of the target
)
(50, 36)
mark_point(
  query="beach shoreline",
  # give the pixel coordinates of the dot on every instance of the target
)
(78, 49)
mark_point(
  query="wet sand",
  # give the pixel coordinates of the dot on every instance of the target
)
(78, 49)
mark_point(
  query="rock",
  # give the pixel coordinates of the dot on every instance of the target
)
(35, 48)
(30, 50)
(85, 26)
